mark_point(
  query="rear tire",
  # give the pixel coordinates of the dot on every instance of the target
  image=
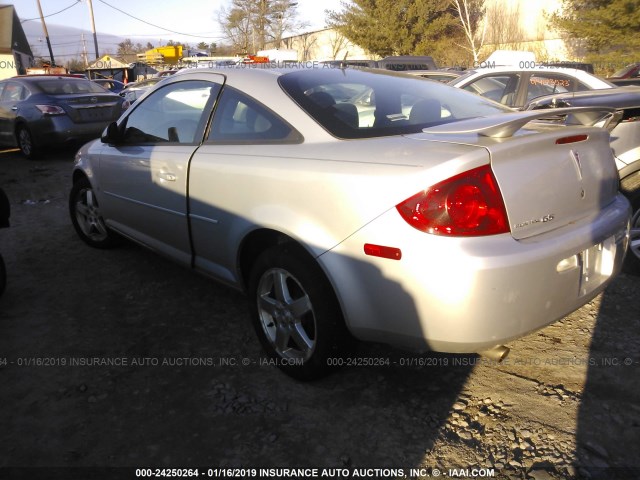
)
(296, 314)
(26, 143)
(86, 217)
(632, 262)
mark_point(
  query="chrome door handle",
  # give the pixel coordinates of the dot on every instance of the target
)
(169, 177)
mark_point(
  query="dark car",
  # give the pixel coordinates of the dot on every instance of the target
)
(625, 141)
(114, 86)
(629, 75)
(630, 71)
(400, 63)
(38, 111)
(5, 211)
(444, 76)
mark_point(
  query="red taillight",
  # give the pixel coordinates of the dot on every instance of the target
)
(469, 204)
(51, 109)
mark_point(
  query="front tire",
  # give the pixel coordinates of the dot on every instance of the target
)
(86, 217)
(296, 314)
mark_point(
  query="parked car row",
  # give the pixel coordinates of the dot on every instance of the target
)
(356, 203)
(40, 111)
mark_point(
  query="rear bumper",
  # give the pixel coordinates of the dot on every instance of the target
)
(61, 130)
(470, 294)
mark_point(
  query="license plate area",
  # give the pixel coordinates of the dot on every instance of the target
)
(596, 265)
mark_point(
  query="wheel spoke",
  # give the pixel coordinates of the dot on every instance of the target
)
(634, 235)
(300, 306)
(280, 286)
(90, 200)
(100, 227)
(301, 338)
(268, 305)
(82, 209)
(282, 337)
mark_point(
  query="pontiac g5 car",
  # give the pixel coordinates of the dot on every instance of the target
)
(444, 223)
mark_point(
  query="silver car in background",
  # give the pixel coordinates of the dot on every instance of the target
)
(426, 218)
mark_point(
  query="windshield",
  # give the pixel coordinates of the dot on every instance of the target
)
(66, 86)
(352, 103)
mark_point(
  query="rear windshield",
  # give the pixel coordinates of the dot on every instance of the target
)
(352, 103)
(66, 86)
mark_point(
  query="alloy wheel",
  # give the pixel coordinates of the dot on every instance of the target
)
(88, 216)
(286, 314)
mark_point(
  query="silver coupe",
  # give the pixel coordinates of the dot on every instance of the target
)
(361, 204)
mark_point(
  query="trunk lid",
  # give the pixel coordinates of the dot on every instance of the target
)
(550, 176)
(91, 107)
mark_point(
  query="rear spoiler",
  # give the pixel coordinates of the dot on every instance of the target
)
(505, 125)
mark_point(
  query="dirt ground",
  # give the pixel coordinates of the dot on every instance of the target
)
(120, 358)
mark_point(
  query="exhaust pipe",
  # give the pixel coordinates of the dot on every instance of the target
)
(497, 354)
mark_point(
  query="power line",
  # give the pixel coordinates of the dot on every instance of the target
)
(153, 25)
(52, 14)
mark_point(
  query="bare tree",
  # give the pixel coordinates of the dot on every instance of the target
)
(250, 24)
(237, 26)
(337, 43)
(471, 13)
(307, 42)
(503, 26)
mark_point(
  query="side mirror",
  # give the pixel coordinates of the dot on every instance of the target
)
(112, 134)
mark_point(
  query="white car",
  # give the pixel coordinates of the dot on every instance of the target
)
(515, 87)
(454, 233)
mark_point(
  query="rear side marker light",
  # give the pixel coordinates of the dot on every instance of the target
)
(572, 139)
(382, 251)
(467, 205)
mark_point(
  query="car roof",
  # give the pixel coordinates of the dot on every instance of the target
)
(573, 72)
(615, 97)
(48, 78)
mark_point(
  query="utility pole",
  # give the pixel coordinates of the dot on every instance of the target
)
(46, 34)
(93, 28)
(84, 51)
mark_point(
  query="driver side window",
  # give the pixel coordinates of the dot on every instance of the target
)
(176, 113)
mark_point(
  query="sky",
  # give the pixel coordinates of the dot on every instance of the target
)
(194, 21)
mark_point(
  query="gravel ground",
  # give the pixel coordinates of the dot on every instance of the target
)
(120, 358)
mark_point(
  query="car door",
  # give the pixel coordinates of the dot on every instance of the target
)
(144, 177)
(245, 136)
(11, 93)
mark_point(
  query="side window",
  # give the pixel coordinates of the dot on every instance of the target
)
(547, 84)
(240, 118)
(13, 92)
(501, 88)
(581, 87)
(176, 113)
